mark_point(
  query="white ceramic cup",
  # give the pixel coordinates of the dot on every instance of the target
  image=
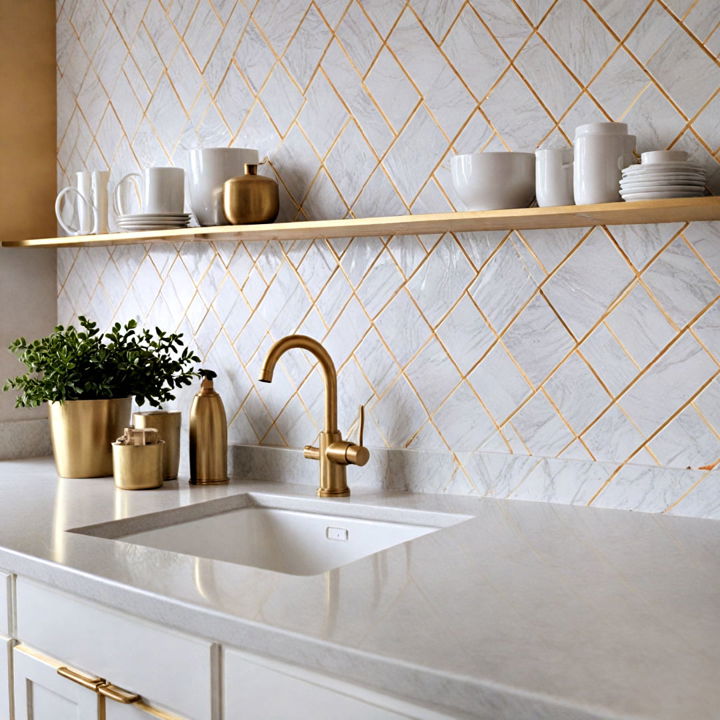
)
(601, 151)
(654, 157)
(91, 203)
(209, 169)
(163, 191)
(554, 177)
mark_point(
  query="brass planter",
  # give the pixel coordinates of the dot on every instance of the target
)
(82, 432)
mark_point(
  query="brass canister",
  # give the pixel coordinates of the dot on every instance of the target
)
(251, 198)
(208, 435)
(138, 467)
(168, 426)
(82, 431)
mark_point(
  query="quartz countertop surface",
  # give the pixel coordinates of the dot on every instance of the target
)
(525, 610)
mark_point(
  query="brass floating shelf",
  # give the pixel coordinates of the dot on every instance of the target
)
(619, 213)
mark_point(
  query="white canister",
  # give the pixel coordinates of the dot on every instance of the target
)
(209, 169)
(601, 151)
(554, 177)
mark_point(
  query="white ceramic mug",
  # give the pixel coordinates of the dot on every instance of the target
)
(554, 177)
(163, 191)
(209, 169)
(91, 207)
(601, 151)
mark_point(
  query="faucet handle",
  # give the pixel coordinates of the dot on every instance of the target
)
(362, 425)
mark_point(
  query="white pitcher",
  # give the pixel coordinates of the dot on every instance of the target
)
(601, 151)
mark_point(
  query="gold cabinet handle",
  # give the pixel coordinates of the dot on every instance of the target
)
(113, 692)
(87, 681)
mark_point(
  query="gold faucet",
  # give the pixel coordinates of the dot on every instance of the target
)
(334, 453)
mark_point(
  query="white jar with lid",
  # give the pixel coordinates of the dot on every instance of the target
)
(601, 151)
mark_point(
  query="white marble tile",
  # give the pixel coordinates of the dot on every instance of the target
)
(671, 381)
(516, 114)
(281, 98)
(680, 282)
(433, 375)
(645, 489)
(465, 334)
(540, 428)
(254, 57)
(403, 327)
(464, 423)
(640, 326)
(651, 33)
(588, 282)
(399, 414)
(613, 437)
(350, 162)
(441, 279)
(380, 284)
(537, 340)
(499, 383)
(307, 46)
(642, 242)
(620, 15)
(619, 84)
(570, 26)
(358, 37)
(551, 247)
(506, 282)
(391, 88)
(444, 93)
(687, 441)
(677, 60)
(279, 19)
(505, 21)
(577, 393)
(703, 501)
(408, 168)
(553, 83)
(474, 53)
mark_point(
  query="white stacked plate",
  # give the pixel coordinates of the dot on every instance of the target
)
(146, 221)
(662, 174)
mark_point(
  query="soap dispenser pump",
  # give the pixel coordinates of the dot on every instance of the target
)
(208, 435)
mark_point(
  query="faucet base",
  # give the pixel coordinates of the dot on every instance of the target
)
(329, 493)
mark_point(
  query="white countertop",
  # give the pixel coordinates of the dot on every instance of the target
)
(528, 610)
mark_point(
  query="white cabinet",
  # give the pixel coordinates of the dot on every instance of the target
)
(257, 688)
(41, 694)
(6, 678)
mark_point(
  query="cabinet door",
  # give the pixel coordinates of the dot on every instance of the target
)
(42, 694)
(5, 678)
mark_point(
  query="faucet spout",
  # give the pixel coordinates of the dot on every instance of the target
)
(327, 368)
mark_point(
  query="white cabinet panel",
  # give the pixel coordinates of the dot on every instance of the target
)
(41, 694)
(256, 688)
(5, 678)
(166, 667)
(6, 604)
(139, 711)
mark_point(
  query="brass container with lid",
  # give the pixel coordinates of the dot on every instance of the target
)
(168, 426)
(251, 198)
(208, 435)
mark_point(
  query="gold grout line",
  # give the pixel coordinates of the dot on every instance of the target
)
(687, 31)
(675, 503)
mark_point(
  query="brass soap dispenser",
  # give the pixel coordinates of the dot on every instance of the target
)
(208, 435)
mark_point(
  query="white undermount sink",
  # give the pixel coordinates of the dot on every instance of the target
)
(273, 533)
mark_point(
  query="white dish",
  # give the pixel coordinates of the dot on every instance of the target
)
(494, 180)
(658, 195)
(664, 167)
(145, 226)
(179, 216)
(664, 178)
(658, 187)
(663, 156)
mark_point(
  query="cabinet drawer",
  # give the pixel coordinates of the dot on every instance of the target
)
(257, 688)
(167, 668)
(6, 604)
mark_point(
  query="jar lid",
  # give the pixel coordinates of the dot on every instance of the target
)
(602, 128)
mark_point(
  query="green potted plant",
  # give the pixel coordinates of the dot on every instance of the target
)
(89, 379)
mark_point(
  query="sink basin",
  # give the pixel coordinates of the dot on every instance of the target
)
(273, 534)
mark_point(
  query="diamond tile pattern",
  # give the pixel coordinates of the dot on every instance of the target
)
(588, 344)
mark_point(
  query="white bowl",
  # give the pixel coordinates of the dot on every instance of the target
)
(663, 156)
(494, 180)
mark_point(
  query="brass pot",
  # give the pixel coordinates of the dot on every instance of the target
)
(168, 426)
(82, 432)
(251, 198)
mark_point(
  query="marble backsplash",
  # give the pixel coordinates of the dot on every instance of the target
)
(595, 344)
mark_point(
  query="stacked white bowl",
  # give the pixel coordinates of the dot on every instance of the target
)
(662, 174)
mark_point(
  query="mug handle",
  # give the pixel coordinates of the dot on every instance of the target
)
(58, 214)
(117, 199)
